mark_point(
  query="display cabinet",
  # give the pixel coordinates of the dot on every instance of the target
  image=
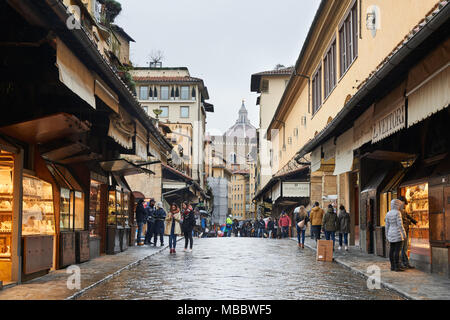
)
(6, 211)
(418, 208)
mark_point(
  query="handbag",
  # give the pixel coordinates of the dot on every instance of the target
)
(301, 224)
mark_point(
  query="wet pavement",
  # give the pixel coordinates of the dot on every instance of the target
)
(237, 268)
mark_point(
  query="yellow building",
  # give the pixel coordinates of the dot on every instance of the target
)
(372, 81)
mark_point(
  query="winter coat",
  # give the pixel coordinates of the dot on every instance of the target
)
(141, 214)
(316, 216)
(270, 225)
(188, 220)
(330, 221)
(150, 213)
(394, 225)
(160, 216)
(343, 222)
(284, 221)
(261, 224)
(169, 220)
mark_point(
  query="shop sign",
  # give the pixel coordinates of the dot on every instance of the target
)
(390, 123)
(296, 189)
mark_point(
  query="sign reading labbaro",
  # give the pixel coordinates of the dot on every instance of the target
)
(389, 124)
(296, 189)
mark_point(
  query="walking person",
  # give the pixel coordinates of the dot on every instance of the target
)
(229, 226)
(343, 227)
(301, 221)
(395, 233)
(188, 225)
(330, 222)
(316, 217)
(160, 217)
(141, 218)
(261, 227)
(407, 220)
(270, 228)
(150, 214)
(284, 224)
(173, 228)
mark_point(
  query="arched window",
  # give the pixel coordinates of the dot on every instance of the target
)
(233, 158)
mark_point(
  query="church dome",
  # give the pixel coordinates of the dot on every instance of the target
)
(242, 128)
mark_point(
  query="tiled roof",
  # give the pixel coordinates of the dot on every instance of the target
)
(167, 79)
(284, 71)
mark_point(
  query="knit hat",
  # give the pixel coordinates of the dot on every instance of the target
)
(159, 204)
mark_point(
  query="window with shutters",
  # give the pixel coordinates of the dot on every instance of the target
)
(329, 70)
(184, 93)
(164, 93)
(348, 40)
(317, 90)
(143, 93)
(265, 86)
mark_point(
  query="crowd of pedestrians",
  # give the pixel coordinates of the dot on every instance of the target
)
(174, 223)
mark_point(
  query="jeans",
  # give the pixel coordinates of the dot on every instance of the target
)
(139, 232)
(404, 253)
(302, 233)
(188, 239)
(315, 232)
(260, 233)
(172, 241)
(329, 235)
(285, 232)
(394, 254)
(345, 235)
(149, 233)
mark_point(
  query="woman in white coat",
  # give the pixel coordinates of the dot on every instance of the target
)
(395, 233)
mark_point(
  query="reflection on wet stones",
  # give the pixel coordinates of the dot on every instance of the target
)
(237, 268)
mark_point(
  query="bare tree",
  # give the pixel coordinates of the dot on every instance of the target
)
(156, 56)
(279, 66)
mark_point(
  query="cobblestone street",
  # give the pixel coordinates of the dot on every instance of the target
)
(237, 268)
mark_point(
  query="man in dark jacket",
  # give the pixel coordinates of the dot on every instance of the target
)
(150, 215)
(160, 216)
(141, 217)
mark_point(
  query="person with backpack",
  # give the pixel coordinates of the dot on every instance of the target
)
(188, 225)
(330, 222)
(301, 221)
(343, 227)
(173, 228)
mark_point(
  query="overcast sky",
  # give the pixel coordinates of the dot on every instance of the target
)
(221, 41)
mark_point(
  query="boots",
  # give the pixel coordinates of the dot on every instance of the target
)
(303, 246)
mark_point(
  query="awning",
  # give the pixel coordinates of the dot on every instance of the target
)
(141, 140)
(276, 191)
(316, 159)
(106, 94)
(74, 74)
(329, 150)
(431, 97)
(121, 181)
(121, 129)
(362, 128)
(46, 129)
(123, 167)
(344, 153)
(138, 195)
